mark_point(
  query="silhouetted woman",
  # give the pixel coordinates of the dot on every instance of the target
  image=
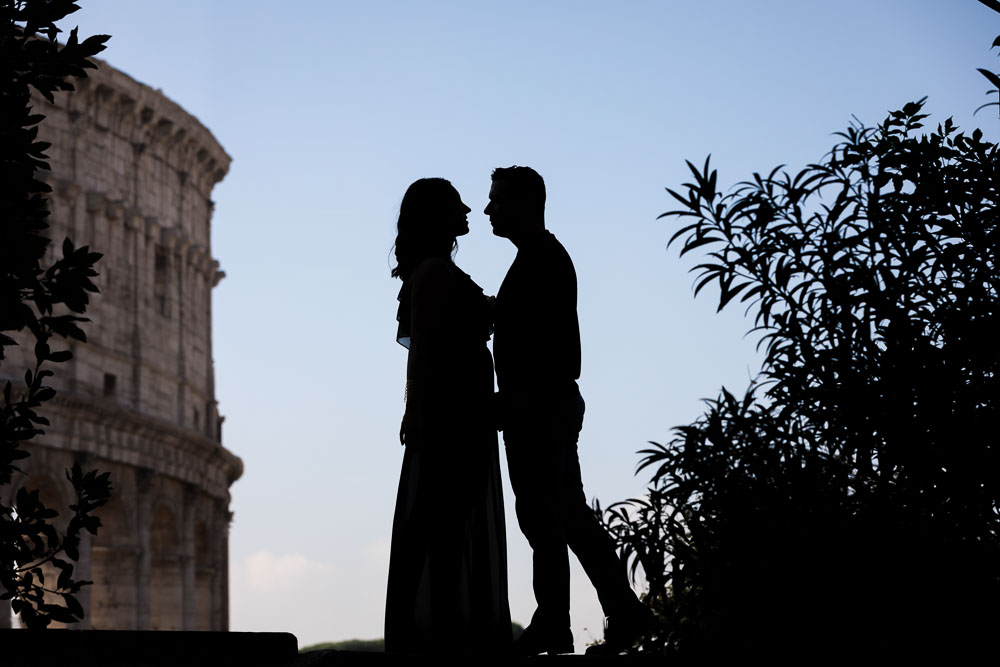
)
(447, 588)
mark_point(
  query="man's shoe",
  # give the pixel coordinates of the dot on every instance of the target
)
(534, 641)
(622, 631)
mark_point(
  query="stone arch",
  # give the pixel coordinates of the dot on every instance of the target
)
(166, 580)
(205, 572)
(114, 563)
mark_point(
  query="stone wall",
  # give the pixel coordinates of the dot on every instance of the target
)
(132, 176)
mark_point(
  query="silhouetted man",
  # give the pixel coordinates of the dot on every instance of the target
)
(536, 347)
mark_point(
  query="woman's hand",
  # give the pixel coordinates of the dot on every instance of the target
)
(497, 411)
(411, 428)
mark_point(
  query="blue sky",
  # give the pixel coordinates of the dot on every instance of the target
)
(330, 109)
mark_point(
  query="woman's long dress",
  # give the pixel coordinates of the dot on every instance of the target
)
(447, 587)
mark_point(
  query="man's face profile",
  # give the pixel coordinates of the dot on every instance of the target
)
(500, 209)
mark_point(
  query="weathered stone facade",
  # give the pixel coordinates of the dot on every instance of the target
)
(132, 174)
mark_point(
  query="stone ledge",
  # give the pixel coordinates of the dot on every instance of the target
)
(146, 648)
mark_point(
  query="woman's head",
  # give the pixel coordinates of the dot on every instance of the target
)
(431, 216)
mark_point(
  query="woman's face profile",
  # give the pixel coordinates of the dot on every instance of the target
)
(456, 215)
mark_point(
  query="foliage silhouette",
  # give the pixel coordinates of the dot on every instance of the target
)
(354, 645)
(849, 499)
(48, 302)
(992, 77)
(377, 645)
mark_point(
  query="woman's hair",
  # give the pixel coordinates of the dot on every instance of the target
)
(421, 230)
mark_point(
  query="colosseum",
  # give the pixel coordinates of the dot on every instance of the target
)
(132, 177)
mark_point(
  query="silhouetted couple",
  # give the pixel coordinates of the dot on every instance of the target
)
(447, 588)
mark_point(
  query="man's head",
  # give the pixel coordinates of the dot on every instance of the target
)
(517, 203)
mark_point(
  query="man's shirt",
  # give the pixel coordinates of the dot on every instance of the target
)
(536, 340)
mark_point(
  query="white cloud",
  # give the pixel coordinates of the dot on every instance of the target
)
(315, 599)
(377, 554)
(266, 572)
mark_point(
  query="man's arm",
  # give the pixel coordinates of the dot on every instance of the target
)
(556, 347)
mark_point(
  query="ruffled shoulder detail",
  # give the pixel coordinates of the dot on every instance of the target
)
(472, 309)
(403, 315)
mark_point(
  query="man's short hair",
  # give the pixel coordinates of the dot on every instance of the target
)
(525, 182)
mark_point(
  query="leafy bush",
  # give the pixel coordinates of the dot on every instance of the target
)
(990, 76)
(377, 645)
(47, 301)
(353, 645)
(849, 498)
